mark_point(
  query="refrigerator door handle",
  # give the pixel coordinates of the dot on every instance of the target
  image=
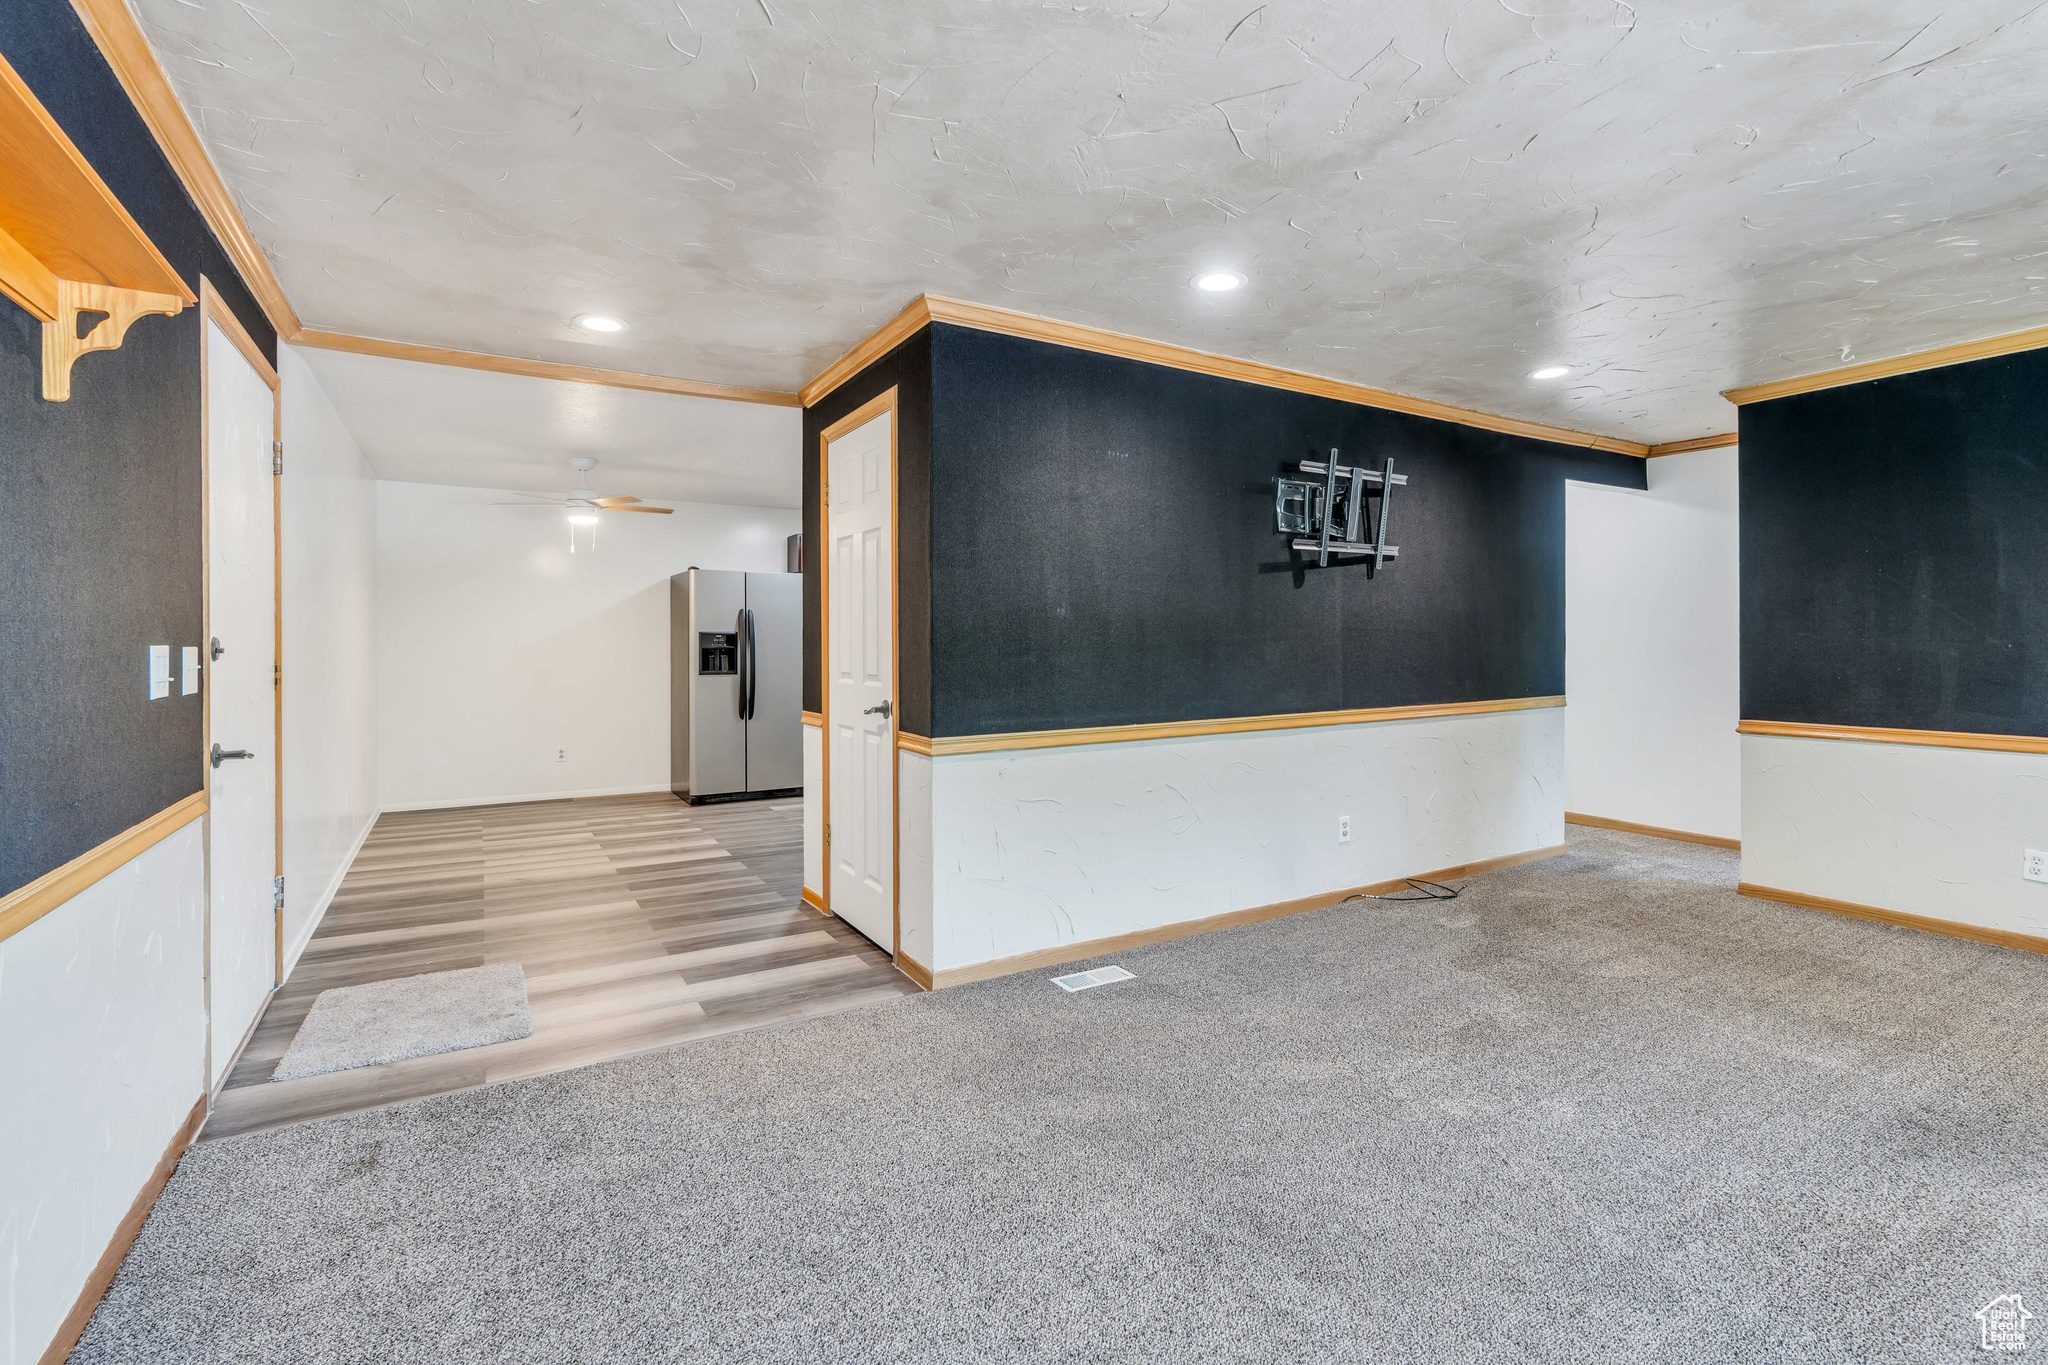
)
(747, 663)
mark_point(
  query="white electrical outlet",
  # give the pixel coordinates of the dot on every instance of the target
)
(2035, 868)
(1343, 829)
(561, 755)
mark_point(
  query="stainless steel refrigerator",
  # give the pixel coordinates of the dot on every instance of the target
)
(735, 685)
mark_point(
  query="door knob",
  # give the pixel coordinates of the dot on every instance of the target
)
(885, 710)
(221, 755)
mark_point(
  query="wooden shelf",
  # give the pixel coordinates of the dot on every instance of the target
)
(66, 244)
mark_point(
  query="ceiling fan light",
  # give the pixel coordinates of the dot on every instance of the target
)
(583, 518)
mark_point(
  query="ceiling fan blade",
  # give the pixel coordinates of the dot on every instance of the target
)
(658, 511)
(607, 502)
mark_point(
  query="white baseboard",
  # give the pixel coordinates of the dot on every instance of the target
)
(291, 958)
(526, 797)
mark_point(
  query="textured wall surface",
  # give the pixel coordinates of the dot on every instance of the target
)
(1434, 196)
(101, 554)
(914, 874)
(329, 584)
(106, 989)
(1104, 552)
(1894, 570)
(1937, 832)
(1652, 657)
(1036, 848)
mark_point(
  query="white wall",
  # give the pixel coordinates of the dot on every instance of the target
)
(104, 1057)
(1652, 660)
(496, 645)
(1929, 831)
(329, 586)
(1042, 848)
(814, 807)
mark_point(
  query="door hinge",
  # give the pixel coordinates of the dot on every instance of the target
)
(277, 899)
(828, 834)
(277, 457)
(277, 675)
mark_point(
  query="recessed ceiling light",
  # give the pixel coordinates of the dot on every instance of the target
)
(1219, 281)
(1551, 372)
(596, 322)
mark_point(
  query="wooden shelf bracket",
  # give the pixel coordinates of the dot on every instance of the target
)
(67, 246)
(62, 346)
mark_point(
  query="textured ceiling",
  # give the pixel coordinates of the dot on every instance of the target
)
(1431, 196)
(421, 423)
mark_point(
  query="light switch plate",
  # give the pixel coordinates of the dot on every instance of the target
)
(159, 671)
(2035, 869)
(189, 683)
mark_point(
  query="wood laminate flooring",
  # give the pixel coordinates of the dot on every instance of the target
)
(641, 922)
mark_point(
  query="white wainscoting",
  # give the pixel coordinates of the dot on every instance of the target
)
(1039, 848)
(814, 809)
(102, 1011)
(1928, 831)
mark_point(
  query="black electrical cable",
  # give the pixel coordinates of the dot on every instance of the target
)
(1440, 893)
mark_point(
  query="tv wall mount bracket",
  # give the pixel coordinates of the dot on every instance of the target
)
(1328, 511)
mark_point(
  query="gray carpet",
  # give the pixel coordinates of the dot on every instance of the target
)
(409, 1016)
(1598, 1109)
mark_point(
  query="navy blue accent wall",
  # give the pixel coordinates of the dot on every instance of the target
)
(1894, 561)
(1103, 549)
(100, 556)
(1088, 540)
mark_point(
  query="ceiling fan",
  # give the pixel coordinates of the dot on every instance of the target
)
(582, 501)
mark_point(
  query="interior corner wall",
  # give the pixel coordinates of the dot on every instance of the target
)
(1894, 575)
(329, 585)
(101, 999)
(496, 646)
(1652, 641)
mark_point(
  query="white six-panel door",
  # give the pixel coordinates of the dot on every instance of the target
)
(241, 698)
(860, 677)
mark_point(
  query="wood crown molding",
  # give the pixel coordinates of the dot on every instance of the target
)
(1654, 831)
(929, 308)
(1976, 933)
(1184, 729)
(1870, 734)
(1074, 952)
(538, 369)
(119, 37)
(2033, 339)
(1726, 438)
(813, 718)
(25, 905)
(125, 1233)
